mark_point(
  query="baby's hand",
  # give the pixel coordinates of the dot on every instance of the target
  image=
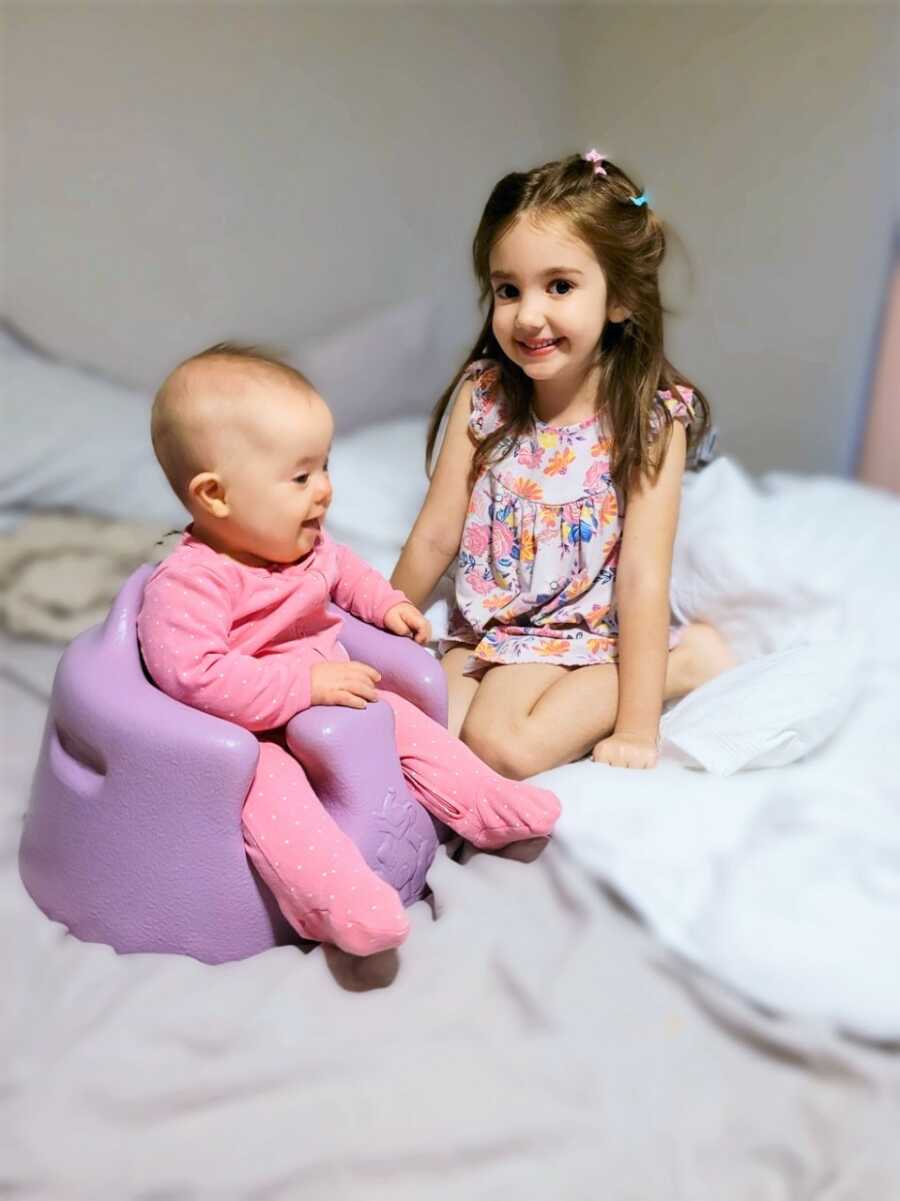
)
(406, 619)
(627, 750)
(351, 684)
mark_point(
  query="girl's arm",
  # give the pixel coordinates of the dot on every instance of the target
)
(434, 539)
(642, 602)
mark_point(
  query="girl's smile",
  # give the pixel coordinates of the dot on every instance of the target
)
(538, 350)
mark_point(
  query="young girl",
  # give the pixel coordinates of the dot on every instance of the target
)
(558, 483)
(236, 622)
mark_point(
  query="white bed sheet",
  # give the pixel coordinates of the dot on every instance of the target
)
(536, 1043)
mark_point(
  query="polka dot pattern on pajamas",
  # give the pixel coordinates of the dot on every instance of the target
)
(240, 642)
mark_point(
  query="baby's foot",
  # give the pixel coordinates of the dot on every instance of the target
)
(490, 811)
(331, 895)
(513, 813)
(701, 655)
(363, 918)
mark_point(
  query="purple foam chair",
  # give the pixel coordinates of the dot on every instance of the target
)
(132, 835)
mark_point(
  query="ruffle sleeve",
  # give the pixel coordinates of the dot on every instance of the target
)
(679, 404)
(488, 406)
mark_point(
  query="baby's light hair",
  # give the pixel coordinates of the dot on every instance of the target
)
(175, 451)
(263, 356)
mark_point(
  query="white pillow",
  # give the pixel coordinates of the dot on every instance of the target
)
(738, 565)
(74, 440)
(378, 474)
(397, 359)
(769, 711)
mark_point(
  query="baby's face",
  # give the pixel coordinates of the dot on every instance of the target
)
(275, 475)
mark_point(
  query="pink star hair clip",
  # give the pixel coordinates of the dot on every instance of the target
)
(595, 157)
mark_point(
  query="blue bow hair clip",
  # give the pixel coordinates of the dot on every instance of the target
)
(644, 198)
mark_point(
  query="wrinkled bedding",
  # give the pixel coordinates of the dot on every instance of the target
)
(537, 1040)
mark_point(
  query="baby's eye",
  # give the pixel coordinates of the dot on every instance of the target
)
(505, 292)
(302, 479)
(563, 285)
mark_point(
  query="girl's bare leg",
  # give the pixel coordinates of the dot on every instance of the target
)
(460, 689)
(529, 717)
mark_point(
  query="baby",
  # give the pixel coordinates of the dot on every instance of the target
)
(235, 622)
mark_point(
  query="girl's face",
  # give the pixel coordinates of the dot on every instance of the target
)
(550, 299)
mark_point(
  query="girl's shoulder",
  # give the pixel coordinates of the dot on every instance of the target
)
(488, 401)
(678, 402)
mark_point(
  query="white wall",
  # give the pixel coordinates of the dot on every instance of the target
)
(767, 136)
(186, 172)
(176, 173)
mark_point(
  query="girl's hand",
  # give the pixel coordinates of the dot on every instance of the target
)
(406, 620)
(349, 684)
(627, 750)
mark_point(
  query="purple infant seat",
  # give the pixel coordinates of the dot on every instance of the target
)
(133, 836)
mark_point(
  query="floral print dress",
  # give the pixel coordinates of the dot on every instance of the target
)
(536, 571)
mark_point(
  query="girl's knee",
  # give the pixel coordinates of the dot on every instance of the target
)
(507, 752)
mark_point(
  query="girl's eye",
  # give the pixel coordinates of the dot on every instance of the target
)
(505, 292)
(563, 285)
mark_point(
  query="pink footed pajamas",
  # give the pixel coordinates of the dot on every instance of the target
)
(240, 642)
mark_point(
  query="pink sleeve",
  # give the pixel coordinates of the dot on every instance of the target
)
(361, 589)
(184, 627)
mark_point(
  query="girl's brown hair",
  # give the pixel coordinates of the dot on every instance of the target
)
(629, 243)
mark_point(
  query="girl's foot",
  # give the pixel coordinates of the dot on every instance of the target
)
(700, 656)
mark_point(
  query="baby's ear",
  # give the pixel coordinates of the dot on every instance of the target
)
(207, 491)
(617, 313)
